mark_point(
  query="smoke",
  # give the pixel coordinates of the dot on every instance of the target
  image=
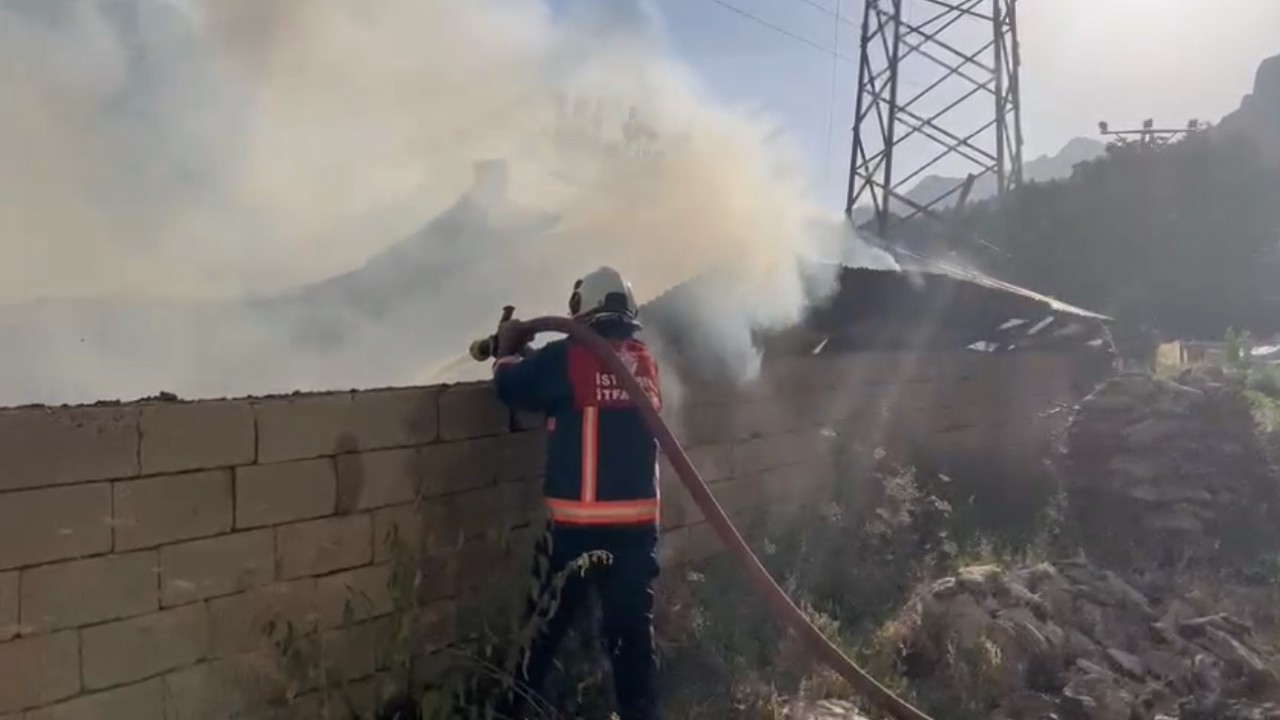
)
(197, 170)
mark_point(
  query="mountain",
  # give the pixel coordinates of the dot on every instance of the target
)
(1040, 169)
(1259, 111)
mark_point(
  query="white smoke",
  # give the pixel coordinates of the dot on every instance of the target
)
(179, 161)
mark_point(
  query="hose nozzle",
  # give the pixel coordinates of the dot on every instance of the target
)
(486, 347)
(483, 349)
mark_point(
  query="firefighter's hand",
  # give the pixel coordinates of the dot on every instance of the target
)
(512, 336)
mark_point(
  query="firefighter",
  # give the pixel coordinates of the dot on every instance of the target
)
(601, 487)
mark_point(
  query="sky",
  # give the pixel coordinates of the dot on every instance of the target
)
(1082, 61)
(154, 96)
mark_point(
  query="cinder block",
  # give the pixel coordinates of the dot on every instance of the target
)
(703, 543)
(82, 592)
(240, 622)
(832, 409)
(705, 424)
(220, 690)
(354, 596)
(450, 520)
(285, 492)
(39, 526)
(441, 623)
(133, 649)
(53, 446)
(143, 701)
(39, 670)
(304, 426)
(322, 546)
(8, 605)
(713, 462)
(395, 418)
(375, 479)
(217, 566)
(349, 653)
(397, 525)
(168, 508)
(177, 437)
(521, 455)
(752, 456)
(457, 466)
(362, 698)
(470, 411)
(673, 547)
(766, 416)
(678, 507)
(480, 562)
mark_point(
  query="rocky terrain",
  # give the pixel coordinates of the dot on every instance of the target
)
(1069, 640)
(1167, 473)
(1166, 608)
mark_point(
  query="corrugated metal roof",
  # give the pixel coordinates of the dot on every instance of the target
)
(910, 260)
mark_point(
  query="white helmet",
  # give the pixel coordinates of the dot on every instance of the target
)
(602, 292)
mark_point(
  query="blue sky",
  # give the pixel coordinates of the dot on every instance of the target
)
(1083, 61)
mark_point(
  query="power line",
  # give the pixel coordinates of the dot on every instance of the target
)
(833, 13)
(777, 28)
(831, 95)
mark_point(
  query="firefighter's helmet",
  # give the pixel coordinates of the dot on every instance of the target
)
(602, 292)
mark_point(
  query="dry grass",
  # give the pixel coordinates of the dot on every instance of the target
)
(851, 565)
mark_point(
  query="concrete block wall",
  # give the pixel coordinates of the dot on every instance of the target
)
(144, 547)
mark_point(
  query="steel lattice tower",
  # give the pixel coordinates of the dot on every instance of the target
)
(937, 90)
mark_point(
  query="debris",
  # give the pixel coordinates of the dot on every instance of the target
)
(1069, 640)
(1167, 473)
(824, 710)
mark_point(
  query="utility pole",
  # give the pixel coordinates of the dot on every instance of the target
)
(937, 91)
(1149, 136)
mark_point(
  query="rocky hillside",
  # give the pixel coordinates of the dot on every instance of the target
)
(1162, 473)
(1069, 640)
(1161, 603)
(1259, 112)
(1258, 116)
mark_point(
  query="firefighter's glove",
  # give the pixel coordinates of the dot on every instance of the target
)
(512, 338)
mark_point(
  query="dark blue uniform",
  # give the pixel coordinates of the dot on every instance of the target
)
(602, 494)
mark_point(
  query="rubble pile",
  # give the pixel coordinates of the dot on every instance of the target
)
(1165, 472)
(1067, 641)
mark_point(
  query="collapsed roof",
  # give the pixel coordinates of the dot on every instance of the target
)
(928, 310)
(926, 305)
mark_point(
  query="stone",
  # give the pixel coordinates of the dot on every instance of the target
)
(40, 526)
(304, 426)
(1127, 663)
(143, 701)
(41, 446)
(130, 650)
(285, 492)
(89, 591)
(182, 436)
(216, 566)
(39, 670)
(322, 546)
(169, 508)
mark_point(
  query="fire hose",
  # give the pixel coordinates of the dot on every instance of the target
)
(784, 610)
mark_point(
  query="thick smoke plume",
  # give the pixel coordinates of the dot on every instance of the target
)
(222, 197)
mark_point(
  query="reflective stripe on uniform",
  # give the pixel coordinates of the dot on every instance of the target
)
(608, 512)
(590, 448)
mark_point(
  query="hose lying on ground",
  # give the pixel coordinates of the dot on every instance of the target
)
(783, 609)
